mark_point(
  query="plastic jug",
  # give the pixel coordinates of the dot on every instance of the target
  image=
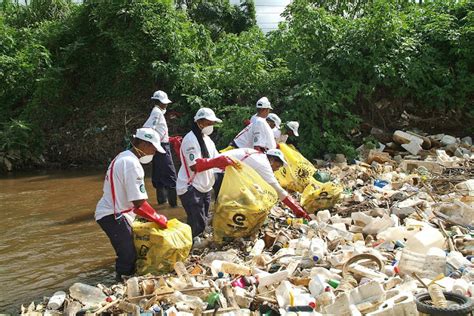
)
(285, 294)
(457, 260)
(133, 290)
(425, 239)
(317, 249)
(316, 286)
(90, 296)
(57, 300)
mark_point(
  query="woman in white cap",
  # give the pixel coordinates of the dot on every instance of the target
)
(264, 165)
(125, 195)
(196, 176)
(163, 172)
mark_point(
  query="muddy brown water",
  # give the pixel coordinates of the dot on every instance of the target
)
(48, 236)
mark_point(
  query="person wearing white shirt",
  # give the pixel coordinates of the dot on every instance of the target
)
(124, 195)
(263, 109)
(264, 165)
(257, 135)
(163, 173)
(274, 121)
(199, 157)
(288, 129)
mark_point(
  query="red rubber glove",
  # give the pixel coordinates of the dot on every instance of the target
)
(175, 141)
(295, 207)
(220, 162)
(146, 211)
(246, 122)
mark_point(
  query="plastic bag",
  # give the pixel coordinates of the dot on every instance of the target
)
(319, 195)
(158, 249)
(243, 203)
(299, 171)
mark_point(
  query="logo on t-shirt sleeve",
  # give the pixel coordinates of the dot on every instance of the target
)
(142, 188)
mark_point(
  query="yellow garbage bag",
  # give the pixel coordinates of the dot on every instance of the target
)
(319, 195)
(158, 249)
(243, 203)
(226, 149)
(298, 173)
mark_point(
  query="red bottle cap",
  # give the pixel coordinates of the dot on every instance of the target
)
(312, 305)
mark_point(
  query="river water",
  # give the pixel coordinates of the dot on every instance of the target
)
(48, 236)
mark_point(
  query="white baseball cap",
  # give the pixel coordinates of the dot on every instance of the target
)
(263, 103)
(293, 125)
(277, 153)
(273, 117)
(150, 135)
(161, 96)
(206, 113)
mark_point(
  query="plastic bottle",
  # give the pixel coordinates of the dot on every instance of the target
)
(457, 260)
(461, 287)
(316, 286)
(257, 248)
(230, 268)
(129, 308)
(133, 290)
(272, 278)
(90, 296)
(186, 302)
(317, 249)
(437, 296)
(57, 300)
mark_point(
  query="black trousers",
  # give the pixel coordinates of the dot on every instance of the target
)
(196, 204)
(163, 176)
(120, 234)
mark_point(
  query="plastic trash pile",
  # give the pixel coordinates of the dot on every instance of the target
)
(399, 241)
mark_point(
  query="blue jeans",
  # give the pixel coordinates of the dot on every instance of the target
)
(120, 235)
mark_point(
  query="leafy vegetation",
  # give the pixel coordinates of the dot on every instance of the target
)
(75, 79)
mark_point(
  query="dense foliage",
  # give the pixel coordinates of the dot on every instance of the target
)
(75, 79)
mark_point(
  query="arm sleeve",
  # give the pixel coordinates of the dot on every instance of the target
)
(135, 183)
(190, 151)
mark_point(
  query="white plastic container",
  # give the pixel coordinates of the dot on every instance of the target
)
(425, 239)
(272, 278)
(133, 290)
(316, 286)
(257, 248)
(56, 301)
(323, 216)
(317, 249)
(461, 287)
(90, 296)
(229, 267)
(457, 260)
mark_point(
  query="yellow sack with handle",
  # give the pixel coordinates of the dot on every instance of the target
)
(158, 249)
(319, 195)
(243, 203)
(299, 171)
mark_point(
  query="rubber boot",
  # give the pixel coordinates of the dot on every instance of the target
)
(161, 195)
(172, 197)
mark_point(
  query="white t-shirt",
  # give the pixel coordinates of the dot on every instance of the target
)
(256, 134)
(157, 121)
(276, 134)
(253, 119)
(259, 162)
(190, 151)
(129, 186)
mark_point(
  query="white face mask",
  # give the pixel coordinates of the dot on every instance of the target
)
(146, 159)
(208, 130)
(163, 111)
